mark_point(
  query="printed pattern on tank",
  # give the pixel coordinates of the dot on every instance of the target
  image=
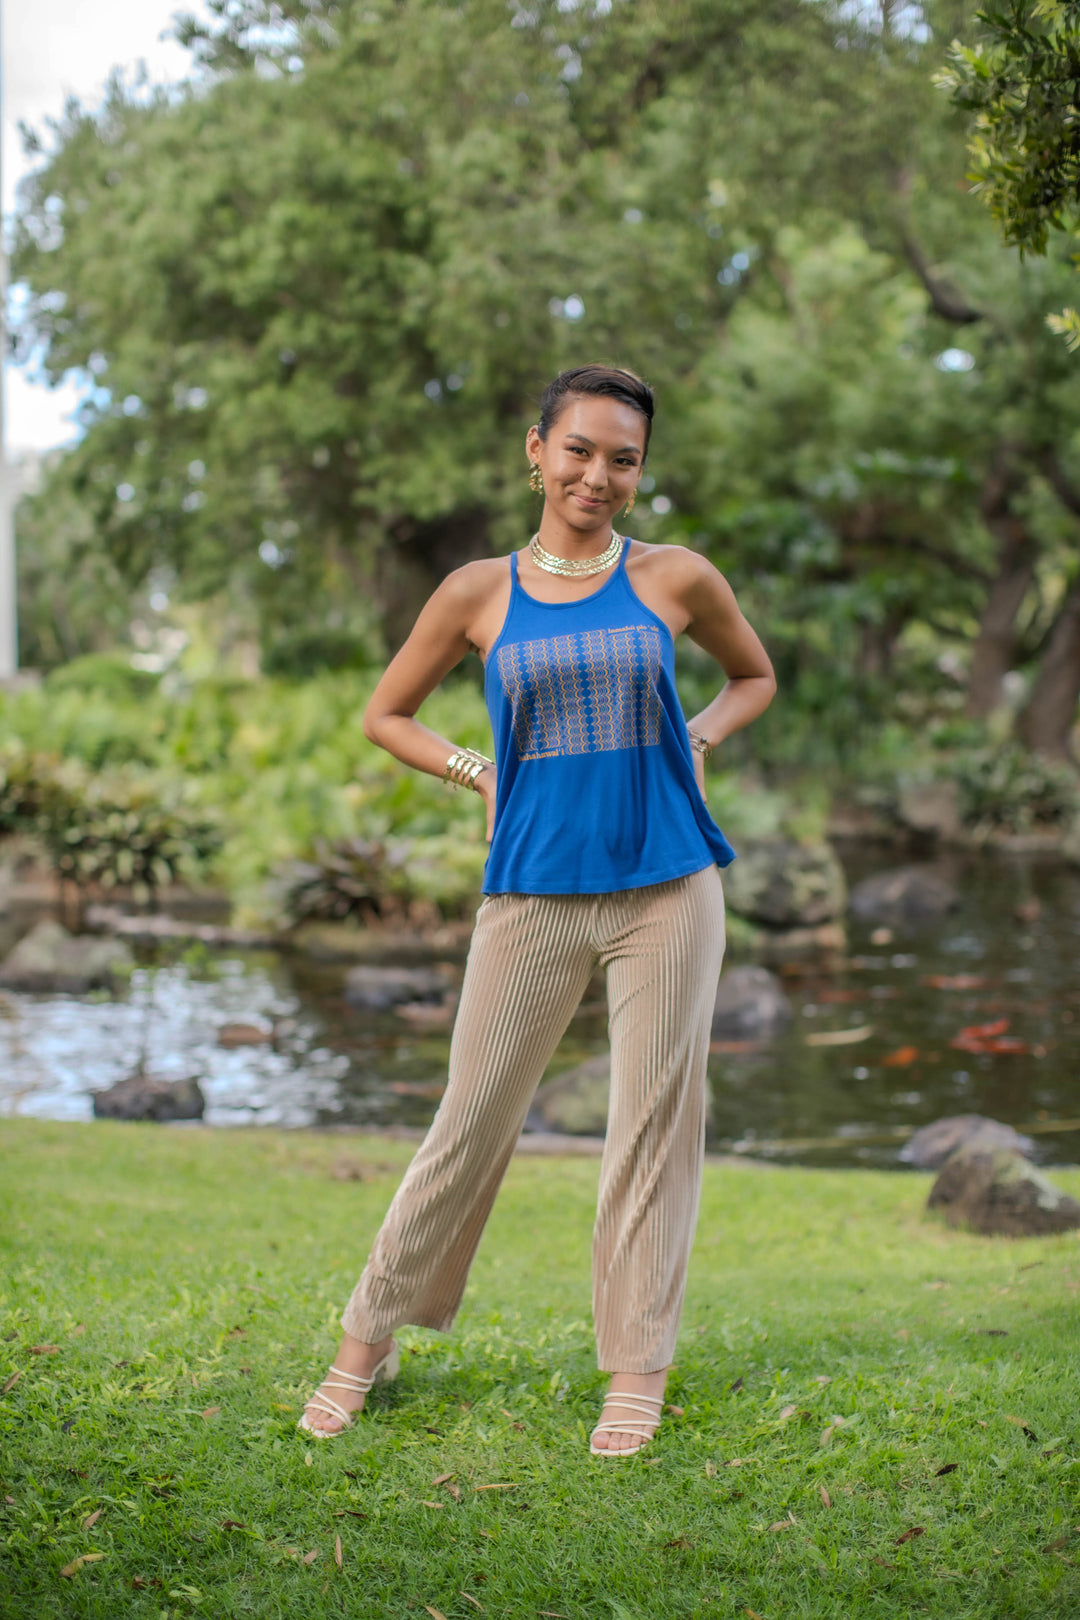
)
(588, 692)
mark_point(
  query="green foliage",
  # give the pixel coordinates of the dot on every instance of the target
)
(1005, 788)
(1020, 81)
(192, 1284)
(105, 830)
(278, 767)
(127, 830)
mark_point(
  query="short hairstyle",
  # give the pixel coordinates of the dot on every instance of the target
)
(605, 382)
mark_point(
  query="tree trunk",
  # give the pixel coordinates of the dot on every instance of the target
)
(415, 558)
(1046, 721)
(996, 643)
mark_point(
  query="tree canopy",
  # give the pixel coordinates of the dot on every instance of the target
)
(321, 288)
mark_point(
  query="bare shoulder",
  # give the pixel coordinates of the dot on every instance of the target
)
(467, 588)
(685, 573)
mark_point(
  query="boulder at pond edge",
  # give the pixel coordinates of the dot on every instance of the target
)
(575, 1103)
(782, 884)
(750, 1004)
(50, 960)
(999, 1194)
(904, 892)
(933, 1144)
(378, 989)
(142, 1098)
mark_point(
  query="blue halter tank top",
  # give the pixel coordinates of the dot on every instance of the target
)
(596, 789)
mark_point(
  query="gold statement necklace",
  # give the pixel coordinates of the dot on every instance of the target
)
(575, 567)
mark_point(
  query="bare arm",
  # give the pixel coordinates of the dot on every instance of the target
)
(717, 625)
(438, 641)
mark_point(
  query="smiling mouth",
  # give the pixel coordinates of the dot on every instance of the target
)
(589, 500)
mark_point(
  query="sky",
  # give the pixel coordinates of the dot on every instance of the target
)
(53, 49)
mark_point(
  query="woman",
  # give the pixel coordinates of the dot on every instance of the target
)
(602, 853)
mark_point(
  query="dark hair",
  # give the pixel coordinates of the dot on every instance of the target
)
(605, 382)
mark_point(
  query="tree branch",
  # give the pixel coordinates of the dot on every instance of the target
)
(1049, 463)
(945, 300)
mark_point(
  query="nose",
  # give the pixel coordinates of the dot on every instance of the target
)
(595, 475)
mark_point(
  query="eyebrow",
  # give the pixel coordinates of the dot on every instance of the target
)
(632, 449)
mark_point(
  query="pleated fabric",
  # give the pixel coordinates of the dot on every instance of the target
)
(531, 958)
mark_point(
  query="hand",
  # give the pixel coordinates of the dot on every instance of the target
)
(485, 787)
(699, 771)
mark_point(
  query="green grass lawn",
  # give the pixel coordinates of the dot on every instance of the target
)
(880, 1416)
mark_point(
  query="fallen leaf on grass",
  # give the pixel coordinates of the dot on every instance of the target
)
(470, 1599)
(840, 1037)
(46, 1350)
(554, 1614)
(210, 1411)
(77, 1563)
(825, 1497)
(67, 1425)
(676, 1411)
(337, 1551)
(826, 1435)
(752, 1613)
(80, 1327)
(432, 1504)
(92, 1518)
(10, 1501)
(353, 1513)
(436, 1614)
(949, 1468)
(502, 1487)
(822, 1379)
(994, 1333)
(734, 1388)
(441, 1479)
(884, 1562)
(1023, 1427)
(710, 1469)
(784, 1524)
(310, 1557)
(909, 1535)
(680, 1541)
(12, 1381)
(787, 1411)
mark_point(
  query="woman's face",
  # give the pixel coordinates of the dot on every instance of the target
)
(591, 460)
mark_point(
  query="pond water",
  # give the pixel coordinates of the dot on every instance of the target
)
(1010, 953)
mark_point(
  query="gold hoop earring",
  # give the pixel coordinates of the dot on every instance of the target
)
(630, 502)
(536, 479)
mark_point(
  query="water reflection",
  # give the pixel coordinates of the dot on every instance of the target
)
(1011, 953)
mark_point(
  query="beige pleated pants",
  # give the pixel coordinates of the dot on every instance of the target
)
(530, 961)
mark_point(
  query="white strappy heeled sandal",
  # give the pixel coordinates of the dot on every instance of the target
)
(633, 1403)
(336, 1378)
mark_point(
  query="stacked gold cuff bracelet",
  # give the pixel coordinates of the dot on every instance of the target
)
(700, 743)
(464, 766)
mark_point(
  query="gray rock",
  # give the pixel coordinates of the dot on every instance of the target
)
(932, 808)
(786, 885)
(48, 958)
(750, 1003)
(377, 989)
(932, 1145)
(999, 1193)
(142, 1098)
(909, 892)
(575, 1103)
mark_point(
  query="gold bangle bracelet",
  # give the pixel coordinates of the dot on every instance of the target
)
(464, 766)
(702, 744)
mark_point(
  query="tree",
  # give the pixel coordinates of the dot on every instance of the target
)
(1020, 80)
